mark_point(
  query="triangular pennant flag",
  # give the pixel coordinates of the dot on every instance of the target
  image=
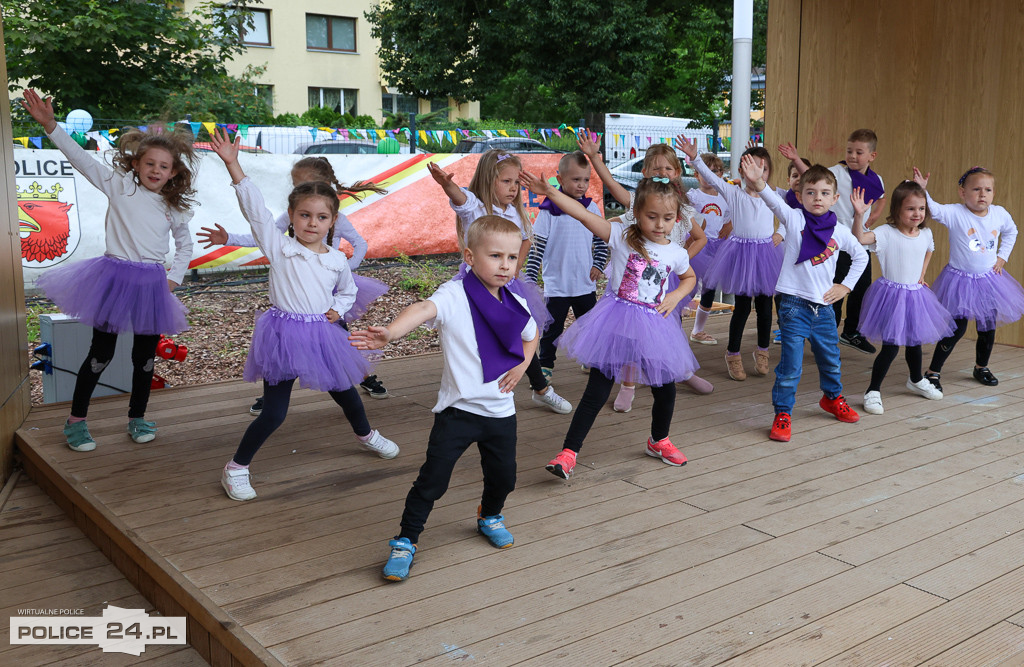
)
(210, 127)
(465, 133)
(326, 129)
(114, 130)
(488, 133)
(423, 137)
(454, 137)
(557, 131)
(195, 127)
(244, 131)
(22, 140)
(312, 131)
(503, 133)
(232, 128)
(381, 134)
(105, 134)
(343, 132)
(144, 128)
(524, 133)
(637, 138)
(391, 134)
(36, 141)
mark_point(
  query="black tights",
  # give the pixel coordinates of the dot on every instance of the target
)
(599, 387)
(707, 299)
(276, 398)
(101, 351)
(982, 348)
(885, 358)
(740, 313)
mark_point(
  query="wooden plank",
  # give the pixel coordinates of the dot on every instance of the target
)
(1001, 644)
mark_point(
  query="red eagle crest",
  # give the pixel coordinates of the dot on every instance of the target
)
(43, 223)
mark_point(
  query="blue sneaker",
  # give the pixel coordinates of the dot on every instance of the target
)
(400, 560)
(777, 336)
(78, 437)
(493, 528)
(141, 431)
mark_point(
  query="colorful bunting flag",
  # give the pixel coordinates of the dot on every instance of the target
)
(210, 127)
(36, 141)
(195, 128)
(22, 140)
(244, 131)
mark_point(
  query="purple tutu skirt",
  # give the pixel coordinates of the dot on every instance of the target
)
(369, 290)
(990, 299)
(530, 291)
(630, 343)
(116, 296)
(901, 314)
(308, 347)
(702, 261)
(748, 267)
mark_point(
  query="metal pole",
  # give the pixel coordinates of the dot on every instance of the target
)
(739, 107)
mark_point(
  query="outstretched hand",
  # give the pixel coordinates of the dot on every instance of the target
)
(536, 185)
(212, 237)
(370, 338)
(587, 145)
(443, 178)
(689, 148)
(41, 109)
(789, 151)
(226, 149)
(920, 179)
(752, 170)
(859, 205)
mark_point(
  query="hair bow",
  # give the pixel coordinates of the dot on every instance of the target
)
(658, 179)
(969, 172)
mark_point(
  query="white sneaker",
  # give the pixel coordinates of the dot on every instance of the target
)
(873, 403)
(924, 388)
(236, 484)
(386, 449)
(552, 400)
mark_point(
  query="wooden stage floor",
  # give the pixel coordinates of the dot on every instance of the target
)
(895, 541)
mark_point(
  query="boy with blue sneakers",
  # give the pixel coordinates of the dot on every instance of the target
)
(488, 338)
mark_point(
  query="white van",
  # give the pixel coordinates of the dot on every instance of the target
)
(628, 135)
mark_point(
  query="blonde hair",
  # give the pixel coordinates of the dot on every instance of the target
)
(178, 191)
(482, 185)
(487, 225)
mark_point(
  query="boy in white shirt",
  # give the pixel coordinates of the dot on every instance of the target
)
(813, 241)
(487, 337)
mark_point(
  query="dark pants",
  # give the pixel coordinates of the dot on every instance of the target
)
(707, 299)
(101, 351)
(559, 307)
(276, 398)
(885, 358)
(599, 387)
(453, 432)
(738, 322)
(856, 296)
(982, 348)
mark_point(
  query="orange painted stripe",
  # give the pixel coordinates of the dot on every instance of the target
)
(399, 172)
(220, 257)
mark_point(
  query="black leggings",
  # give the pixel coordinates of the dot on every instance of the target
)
(982, 348)
(856, 296)
(885, 358)
(599, 387)
(101, 351)
(276, 398)
(707, 299)
(740, 313)
(536, 376)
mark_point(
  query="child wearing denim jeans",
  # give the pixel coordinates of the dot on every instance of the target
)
(813, 240)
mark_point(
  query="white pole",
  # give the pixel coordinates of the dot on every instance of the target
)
(739, 107)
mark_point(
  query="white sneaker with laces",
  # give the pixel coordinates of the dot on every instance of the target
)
(384, 448)
(873, 403)
(236, 484)
(553, 401)
(924, 388)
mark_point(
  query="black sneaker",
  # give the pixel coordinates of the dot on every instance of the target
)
(374, 387)
(984, 376)
(934, 379)
(857, 342)
(257, 407)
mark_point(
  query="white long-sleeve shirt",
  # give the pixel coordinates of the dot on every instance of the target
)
(751, 219)
(973, 240)
(301, 281)
(811, 278)
(342, 227)
(138, 220)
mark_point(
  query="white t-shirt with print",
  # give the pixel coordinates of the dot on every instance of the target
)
(633, 278)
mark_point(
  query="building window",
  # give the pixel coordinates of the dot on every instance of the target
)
(259, 33)
(330, 33)
(265, 93)
(438, 104)
(396, 103)
(339, 100)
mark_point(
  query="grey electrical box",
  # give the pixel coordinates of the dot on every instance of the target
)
(69, 342)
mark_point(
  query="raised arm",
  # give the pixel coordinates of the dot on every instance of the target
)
(789, 152)
(753, 171)
(94, 171)
(227, 151)
(447, 183)
(374, 338)
(590, 149)
(866, 237)
(597, 225)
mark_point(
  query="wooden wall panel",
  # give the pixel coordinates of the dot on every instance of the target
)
(14, 397)
(942, 84)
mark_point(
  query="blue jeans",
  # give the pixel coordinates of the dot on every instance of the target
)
(801, 320)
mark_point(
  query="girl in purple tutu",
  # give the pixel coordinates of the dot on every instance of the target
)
(495, 190)
(150, 196)
(747, 263)
(899, 309)
(318, 168)
(974, 285)
(310, 286)
(630, 334)
(715, 219)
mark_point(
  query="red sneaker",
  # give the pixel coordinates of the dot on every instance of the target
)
(666, 451)
(781, 427)
(563, 464)
(840, 408)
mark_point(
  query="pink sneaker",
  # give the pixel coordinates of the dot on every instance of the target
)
(563, 464)
(666, 451)
(624, 400)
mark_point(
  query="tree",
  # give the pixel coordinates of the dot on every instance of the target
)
(222, 99)
(118, 57)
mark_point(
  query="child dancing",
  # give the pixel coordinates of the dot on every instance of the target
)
(127, 289)
(310, 285)
(487, 338)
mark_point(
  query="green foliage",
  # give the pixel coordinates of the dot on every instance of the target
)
(422, 276)
(287, 120)
(117, 58)
(223, 98)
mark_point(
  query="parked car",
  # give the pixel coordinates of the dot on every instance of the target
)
(508, 144)
(342, 148)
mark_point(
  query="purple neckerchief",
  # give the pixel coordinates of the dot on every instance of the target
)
(870, 182)
(791, 199)
(816, 234)
(498, 326)
(552, 207)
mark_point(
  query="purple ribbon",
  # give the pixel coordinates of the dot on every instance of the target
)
(816, 234)
(498, 326)
(791, 199)
(552, 207)
(869, 182)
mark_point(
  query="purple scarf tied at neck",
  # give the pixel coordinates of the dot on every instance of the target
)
(552, 207)
(816, 234)
(498, 325)
(791, 199)
(869, 182)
